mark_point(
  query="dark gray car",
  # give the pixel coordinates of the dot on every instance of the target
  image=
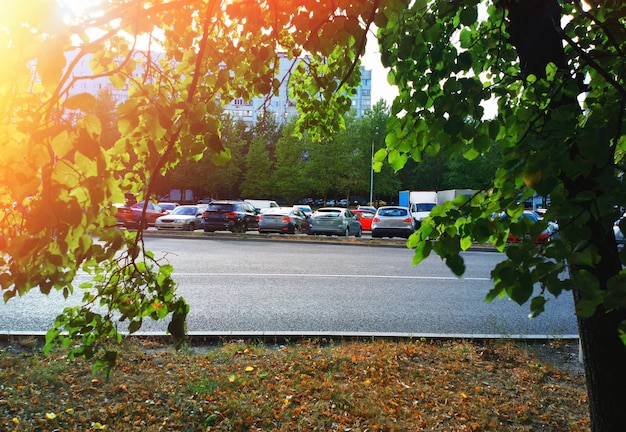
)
(335, 220)
(283, 220)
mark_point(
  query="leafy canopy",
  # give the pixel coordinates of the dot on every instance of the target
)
(177, 62)
(559, 126)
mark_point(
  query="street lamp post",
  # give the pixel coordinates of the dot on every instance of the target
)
(372, 176)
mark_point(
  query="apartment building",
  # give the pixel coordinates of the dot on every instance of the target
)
(248, 111)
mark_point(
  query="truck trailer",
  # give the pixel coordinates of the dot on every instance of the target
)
(420, 203)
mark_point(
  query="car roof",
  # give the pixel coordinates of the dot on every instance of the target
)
(278, 210)
(225, 202)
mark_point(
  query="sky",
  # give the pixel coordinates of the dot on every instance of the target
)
(381, 89)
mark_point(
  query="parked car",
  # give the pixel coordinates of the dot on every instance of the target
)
(261, 204)
(365, 218)
(130, 216)
(229, 215)
(168, 206)
(283, 220)
(306, 209)
(392, 221)
(182, 218)
(335, 220)
(531, 217)
(617, 230)
(365, 207)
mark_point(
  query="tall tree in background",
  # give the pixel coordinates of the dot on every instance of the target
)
(258, 173)
(289, 176)
(224, 179)
(560, 123)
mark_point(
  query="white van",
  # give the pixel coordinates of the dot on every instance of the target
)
(261, 205)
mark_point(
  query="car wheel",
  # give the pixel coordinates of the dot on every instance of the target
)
(192, 226)
(359, 233)
(347, 232)
(375, 234)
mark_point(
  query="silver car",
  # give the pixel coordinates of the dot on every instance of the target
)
(335, 220)
(182, 218)
(392, 221)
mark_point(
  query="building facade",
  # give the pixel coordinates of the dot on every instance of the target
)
(248, 111)
(284, 108)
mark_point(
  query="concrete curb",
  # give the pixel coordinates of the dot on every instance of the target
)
(301, 238)
(294, 336)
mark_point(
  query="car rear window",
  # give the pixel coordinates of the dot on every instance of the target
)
(220, 207)
(329, 213)
(393, 212)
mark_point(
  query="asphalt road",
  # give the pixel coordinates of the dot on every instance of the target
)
(309, 288)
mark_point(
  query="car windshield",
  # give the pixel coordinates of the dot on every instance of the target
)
(397, 212)
(189, 211)
(423, 207)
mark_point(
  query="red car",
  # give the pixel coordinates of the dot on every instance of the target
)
(533, 217)
(129, 216)
(365, 218)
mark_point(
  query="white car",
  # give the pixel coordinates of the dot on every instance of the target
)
(182, 218)
(306, 209)
(262, 204)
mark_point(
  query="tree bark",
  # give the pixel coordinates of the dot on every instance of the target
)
(605, 370)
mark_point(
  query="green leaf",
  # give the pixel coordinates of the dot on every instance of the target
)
(422, 249)
(521, 290)
(537, 306)
(469, 15)
(464, 60)
(456, 264)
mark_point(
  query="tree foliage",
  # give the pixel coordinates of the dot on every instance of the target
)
(556, 74)
(554, 71)
(178, 62)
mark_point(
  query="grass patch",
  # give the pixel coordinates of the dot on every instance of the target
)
(358, 386)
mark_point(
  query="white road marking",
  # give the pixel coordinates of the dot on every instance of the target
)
(334, 276)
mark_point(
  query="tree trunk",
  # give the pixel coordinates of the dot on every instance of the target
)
(605, 370)
(604, 353)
